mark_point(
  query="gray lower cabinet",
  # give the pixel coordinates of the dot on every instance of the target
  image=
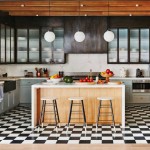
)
(8, 101)
(11, 99)
(17, 91)
(141, 98)
(25, 89)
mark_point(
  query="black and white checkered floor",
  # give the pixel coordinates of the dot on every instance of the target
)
(15, 129)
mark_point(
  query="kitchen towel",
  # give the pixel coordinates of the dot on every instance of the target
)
(1, 93)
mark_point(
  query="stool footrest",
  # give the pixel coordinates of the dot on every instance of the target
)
(104, 107)
(76, 104)
(105, 120)
(107, 113)
(76, 112)
(50, 105)
(76, 118)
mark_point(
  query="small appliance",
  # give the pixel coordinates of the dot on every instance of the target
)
(139, 73)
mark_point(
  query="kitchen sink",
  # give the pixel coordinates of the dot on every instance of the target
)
(9, 86)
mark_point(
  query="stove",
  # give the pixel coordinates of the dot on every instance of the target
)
(79, 75)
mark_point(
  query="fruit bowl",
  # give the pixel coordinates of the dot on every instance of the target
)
(55, 80)
(107, 74)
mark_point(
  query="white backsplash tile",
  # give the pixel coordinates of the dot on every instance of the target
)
(76, 63)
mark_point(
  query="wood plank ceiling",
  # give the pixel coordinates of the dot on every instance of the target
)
(76, 7)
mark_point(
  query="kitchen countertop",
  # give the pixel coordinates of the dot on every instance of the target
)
(19, 77)
(1, 82)
(73, 85)
(130, 78)
(111, 78)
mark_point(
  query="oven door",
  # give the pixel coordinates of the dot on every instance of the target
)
(140, 86)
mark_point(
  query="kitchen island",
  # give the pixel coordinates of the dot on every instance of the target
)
(90, 93)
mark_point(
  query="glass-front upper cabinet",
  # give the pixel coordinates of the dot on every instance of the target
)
(7, 52)
(53, 52)
(134, 45)
(46, 51)
(144, 46)
(123, 45)
(22, 45)
(130, 46)
(12, 45)
(34, 54)
(2, 46)
(112, 48)
(58, 53)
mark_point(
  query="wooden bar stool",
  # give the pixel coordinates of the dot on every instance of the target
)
(73, 103)
(49, 102)
(101, 99)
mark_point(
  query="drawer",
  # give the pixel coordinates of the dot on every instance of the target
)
(28, 82)
(141, 98)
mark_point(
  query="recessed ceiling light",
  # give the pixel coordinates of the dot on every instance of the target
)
(22, 5)
(137, 5)
(81, 5)
(130, 14)
(37, 14)
(85, 14)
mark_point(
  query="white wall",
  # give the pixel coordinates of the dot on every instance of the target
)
(76, 63)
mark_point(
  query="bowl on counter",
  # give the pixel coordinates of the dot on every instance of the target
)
(60, 60)
(33, 49)
(47, 49)
(47, 60)
(23, 60)
(59, 50)
(55, 80)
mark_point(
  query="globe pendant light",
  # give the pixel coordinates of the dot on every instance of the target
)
(108, 35)
(79, 36)
(49, 36)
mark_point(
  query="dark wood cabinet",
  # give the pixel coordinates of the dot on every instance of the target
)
(93, 27)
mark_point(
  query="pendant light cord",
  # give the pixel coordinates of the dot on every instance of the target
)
(49, 8)
(108, 17)
(79, 16)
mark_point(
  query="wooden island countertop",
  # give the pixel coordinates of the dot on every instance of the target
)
(90, 93)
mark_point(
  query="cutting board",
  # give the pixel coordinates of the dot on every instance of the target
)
(114, 82)
(85, 83)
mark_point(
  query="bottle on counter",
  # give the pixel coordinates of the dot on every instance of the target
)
(96, 78)
(25, 73)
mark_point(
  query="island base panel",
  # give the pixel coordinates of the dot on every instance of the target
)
(90, 103)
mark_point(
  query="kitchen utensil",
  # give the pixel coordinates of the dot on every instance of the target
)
(38, 72)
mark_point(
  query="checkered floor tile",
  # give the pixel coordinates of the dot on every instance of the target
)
(15, 128)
